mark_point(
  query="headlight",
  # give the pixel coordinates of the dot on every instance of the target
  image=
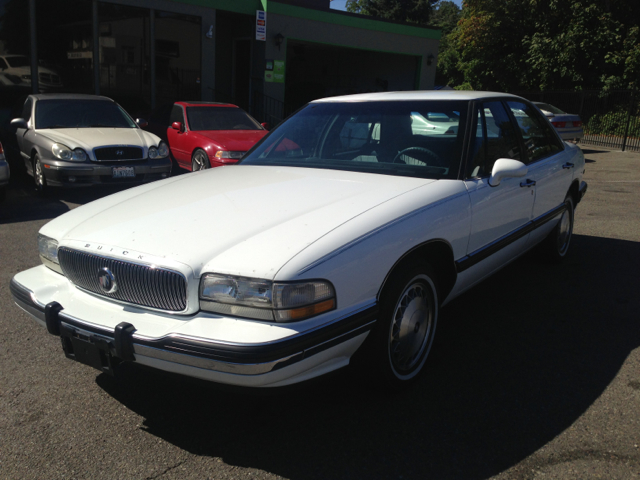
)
(153, 152)
(63, 152)
(48, 249)
(265, 300)
(163, 150)
(226, 154)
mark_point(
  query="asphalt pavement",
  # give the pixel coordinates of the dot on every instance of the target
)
(534, 374)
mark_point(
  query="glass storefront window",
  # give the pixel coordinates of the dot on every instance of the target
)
(125, 66)
(178, 57)
(65, 46)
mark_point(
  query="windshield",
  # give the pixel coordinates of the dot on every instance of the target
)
(418, 139)
(18, 61)
(81, 114)
(220, 118)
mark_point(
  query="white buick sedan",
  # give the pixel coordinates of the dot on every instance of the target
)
(336, 240)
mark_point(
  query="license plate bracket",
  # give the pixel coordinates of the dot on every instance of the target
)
(123, 172)
(88, 349)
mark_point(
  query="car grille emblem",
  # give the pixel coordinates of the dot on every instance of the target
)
(107, 281)
(119, 153)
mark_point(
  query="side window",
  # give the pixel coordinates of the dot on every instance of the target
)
(495, 138)
(177, 115)
(26, 110)
(539, 138)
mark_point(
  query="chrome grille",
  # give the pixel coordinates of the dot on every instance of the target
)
(137, 284)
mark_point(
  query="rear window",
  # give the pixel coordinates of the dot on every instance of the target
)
(220, 118)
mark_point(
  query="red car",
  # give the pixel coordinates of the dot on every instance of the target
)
(205, 134)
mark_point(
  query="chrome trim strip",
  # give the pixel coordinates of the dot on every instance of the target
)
(377, 230)
(215, 365)
(482, 253)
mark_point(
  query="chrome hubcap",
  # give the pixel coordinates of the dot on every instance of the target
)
(38, 173)
(198, 162)
(564, 232)
(411, 328)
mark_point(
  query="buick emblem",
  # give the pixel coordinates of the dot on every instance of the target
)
(107, 281)
(119, 152)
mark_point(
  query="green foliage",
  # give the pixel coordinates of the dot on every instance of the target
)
(549, 44)
(613, 123)
(463, 86)
(410, 11)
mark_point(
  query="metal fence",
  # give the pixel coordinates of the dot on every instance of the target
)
(610, 119)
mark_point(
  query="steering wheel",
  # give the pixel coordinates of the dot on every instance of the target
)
(419, 149)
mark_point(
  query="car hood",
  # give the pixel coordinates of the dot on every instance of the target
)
(90, 138)
(234, 140)
(238, 220)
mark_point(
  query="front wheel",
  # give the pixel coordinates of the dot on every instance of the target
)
(401, 342)
(38, 176)
(200, 160)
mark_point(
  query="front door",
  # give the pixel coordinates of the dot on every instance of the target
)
(498, 212)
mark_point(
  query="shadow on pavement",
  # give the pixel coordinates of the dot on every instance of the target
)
(24, 204)
(516, 361)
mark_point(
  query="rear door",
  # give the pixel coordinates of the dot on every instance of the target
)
(547, 159)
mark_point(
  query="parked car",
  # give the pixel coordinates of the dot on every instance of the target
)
(73, 140)
(5, 173)
(313, 252)
(19, 66)
(203, 135)
(568, 125)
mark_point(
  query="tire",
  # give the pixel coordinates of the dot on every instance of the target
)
(199, 160)
(401, 341)
(3, 193)
(556, 245)
(39, 179)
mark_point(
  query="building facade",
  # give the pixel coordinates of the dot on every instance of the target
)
(268, 56)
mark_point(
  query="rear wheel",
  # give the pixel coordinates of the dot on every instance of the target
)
(3, 193)
(402, 339)
(200, 160)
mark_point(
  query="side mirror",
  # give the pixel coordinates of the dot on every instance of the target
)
(141, 122)
(265, 125)
(19, 123)
(178, 126)
(506, 168)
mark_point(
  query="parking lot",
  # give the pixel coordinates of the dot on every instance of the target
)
(534, 374)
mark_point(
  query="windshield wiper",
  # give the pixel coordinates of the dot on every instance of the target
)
(58, 126)
(104, 125)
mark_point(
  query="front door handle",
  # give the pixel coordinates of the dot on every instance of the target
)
(528, 183)
(567, 165)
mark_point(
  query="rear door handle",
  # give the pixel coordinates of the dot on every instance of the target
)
(528, 183)
(567, 165)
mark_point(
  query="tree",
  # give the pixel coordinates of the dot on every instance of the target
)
(445, 16)
(549, 44)
(410, 11)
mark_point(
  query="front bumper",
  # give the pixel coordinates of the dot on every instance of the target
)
(73, 174)
(290, 359)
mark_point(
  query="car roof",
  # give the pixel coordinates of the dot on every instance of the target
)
(416, 96)
(69, 96)
(206, 104)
